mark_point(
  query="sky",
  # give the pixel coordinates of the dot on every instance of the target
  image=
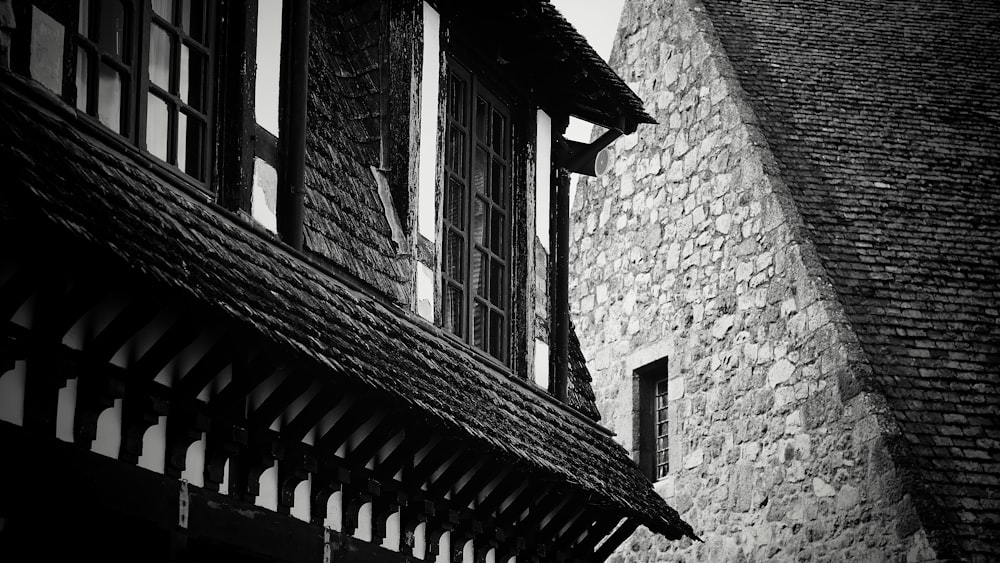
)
(597, 21)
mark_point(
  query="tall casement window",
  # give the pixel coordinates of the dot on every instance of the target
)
(652, 427)
(475, 277)
(143, 70)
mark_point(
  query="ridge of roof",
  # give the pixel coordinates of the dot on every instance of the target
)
(167, 237)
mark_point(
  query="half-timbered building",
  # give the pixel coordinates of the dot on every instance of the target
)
(286, 281)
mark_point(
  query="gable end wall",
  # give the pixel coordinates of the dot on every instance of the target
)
(693, 250)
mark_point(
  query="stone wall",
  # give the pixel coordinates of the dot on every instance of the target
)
(692, 250)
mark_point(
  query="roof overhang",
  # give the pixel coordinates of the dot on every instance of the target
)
(555, 61)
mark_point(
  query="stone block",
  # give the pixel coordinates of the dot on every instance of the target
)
(780, 372)
(821, 488)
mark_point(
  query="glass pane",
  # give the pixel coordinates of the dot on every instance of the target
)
(496, 233)
(482, 115)
(268, 64)
(452, 309)
(192, 77)
(193, 19)
(479, 218)
(496, 335)
(157, 126)
(456, 99)
(453, 211)
(264, 200)
(499, 134)
(84, 27)
(499, 181)
(112, 28)
(165, 9)
(455, 157)
(190, 145)
(480, 272)
(159, 57)
(479, 321)
(82, 79)
(496, 283)
(109, 97)
(454, 256)
(480, 168)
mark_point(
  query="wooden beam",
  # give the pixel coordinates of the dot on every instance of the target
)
(207, 367)
(615, 539)
(485, 474)
(280, 399)
(596, 532)
(136, 314)
(166, 348)
(347, 424)
(328, 399)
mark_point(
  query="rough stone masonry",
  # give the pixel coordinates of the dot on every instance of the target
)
(692, 250)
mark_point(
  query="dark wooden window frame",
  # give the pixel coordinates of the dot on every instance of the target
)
(651, 433)
(229, 145)
(478, 136)
(137, 87)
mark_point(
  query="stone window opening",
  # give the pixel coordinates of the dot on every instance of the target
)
(651, 434)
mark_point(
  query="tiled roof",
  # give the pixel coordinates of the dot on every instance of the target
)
(884, 117)
(345, 222)
(558, 63)
(67, 188)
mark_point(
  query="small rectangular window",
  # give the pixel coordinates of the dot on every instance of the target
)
(651, 435)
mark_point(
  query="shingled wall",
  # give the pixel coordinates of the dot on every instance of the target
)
(693, 250)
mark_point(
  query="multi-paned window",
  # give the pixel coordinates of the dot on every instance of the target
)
(662, 430)
(476, 214)
(143, 70)
(651, 423)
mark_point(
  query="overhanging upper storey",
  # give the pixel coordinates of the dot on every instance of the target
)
(544, 50)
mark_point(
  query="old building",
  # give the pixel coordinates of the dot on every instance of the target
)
(278, 282)
(788, 289)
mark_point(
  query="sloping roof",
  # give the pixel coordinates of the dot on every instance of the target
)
(884, 117)
(345, 222)
(67, 187)
(581, 394)
(557, 61)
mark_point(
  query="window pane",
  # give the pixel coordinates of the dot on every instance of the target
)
(165, 9)
(479, 218)
(455, 156)
(268, 64)
(109, 98)
(159, 57)
(190, 144)
(499, 181)
(157, 126)
(84, 27)
(496, 283)
(455, 201)
(264, 200)
(480, 169)
(112, 28)
(499, 134)
(452, 309)
(482, 117)
(454, 255)
(82, 79)
(497, 233)
(497, 336)
(193, 19)
(479, 320)
(456, 99)
(480, 272)
(192, 77)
